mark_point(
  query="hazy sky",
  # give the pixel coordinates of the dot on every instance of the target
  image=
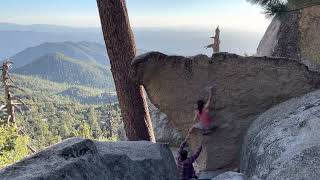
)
(234, 14)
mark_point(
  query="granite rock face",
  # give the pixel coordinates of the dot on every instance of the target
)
(281, 38)
(244, 87)
(283, 143)
(230, 176)
(164, 131)
(84, 159)
(294, 35)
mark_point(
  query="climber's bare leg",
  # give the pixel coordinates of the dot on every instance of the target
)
(210, 129)
(200, 126)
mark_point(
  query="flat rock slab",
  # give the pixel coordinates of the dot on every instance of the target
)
(230, 176)
(210, 174)
(244, 88)
(84, 159)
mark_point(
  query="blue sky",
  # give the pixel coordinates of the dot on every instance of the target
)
(233, 14)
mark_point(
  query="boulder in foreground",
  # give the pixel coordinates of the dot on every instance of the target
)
(84, 159)
(283, 143)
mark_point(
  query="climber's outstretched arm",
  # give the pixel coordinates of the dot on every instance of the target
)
(196, 154)
(209, 98)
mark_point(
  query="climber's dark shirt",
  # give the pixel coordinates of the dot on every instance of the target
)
(185, 168)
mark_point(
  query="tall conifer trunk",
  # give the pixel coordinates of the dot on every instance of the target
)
(121, 49)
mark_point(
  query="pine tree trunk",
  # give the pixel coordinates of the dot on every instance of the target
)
(121, 49)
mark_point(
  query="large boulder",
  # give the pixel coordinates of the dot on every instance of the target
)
(244, 87)
(283, 143)
(294, 35)
(84, 159)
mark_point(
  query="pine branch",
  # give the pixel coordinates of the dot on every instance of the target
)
(276, 9)
(272, 7)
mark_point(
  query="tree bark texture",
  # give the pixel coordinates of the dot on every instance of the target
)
(121, 49)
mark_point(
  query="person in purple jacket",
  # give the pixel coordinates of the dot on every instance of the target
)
(185, 163)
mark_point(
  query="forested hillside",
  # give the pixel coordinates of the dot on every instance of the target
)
(82, 51)
(59, 68)
(56, 111)
(67, 90)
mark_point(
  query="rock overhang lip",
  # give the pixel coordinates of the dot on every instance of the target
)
(146, 56)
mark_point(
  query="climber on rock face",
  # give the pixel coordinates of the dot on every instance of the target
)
(184, 163)
(203, 114)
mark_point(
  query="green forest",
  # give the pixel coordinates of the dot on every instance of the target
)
(50, 114)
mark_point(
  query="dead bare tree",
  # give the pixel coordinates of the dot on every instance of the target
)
(216, 42)
(12, 102)
(121, 49)
(7, 82)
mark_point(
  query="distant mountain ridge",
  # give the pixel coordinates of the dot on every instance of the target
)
(47, 28)
(180, 40)
(17, 37)
(60, 68)
(83, 51)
